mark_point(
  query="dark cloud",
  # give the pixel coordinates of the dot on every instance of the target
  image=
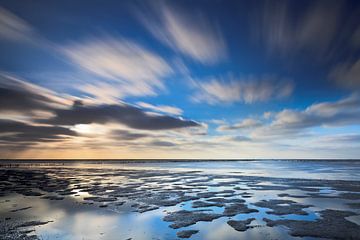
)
(240, 139)
(162, 144)
(126, 135)
(132, 117)
(13, 131)
(347, 75)
(17, 95)
(285, 28)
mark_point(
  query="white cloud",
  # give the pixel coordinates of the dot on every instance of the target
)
(248, 123)
(295, 123)
(267, 115)
(191, 34)
(247, 90)
(161, 108)
(130, 68)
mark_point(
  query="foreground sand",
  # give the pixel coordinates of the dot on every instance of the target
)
(39, 202)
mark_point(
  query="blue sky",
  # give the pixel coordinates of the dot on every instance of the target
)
(180, 79)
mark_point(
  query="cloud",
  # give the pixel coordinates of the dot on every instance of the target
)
(247, 90)
(13, 27)
(15, 132)
(292, 122)
(190, 33)
(344, 139)
(161, 108)
(128, 115)
(162, 144)
(238, 138)
(20, 96)
(78, 122)
(355, 38)
(247, 123)
(128, 68)
(347, 75)
(286, 33)
(126, 135)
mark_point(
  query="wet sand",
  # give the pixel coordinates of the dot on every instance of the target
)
(172, 203)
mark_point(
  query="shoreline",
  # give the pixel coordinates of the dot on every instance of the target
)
(172, 160)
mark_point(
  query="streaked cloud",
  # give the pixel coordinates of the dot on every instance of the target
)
(162, 144)
(128, 115)
(355, 38)
(132, 69)
(347, 75)
(17, 95)
(290, 122)
(161, 108)
(286, 33)
(248, 123)
(186, 31)
(343, 139)
(18, 132)
(126, 135)
(247, 89)
(13, 27)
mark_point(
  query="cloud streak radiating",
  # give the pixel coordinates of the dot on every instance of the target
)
(247, 90)
(190, 33)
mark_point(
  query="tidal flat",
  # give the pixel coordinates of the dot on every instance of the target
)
(264, 199)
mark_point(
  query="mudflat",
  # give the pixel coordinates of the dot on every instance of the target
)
(117, 201)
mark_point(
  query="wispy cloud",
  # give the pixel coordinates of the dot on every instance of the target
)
(17, 95)
(290, 122)
(188, 32)
(161, 108)
(246, 89)
(347, 75)
(18, 132)
(13, 27)
(284, 33)
(248, 123)
(132, 69)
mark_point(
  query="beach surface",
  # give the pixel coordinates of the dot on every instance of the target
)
(262, 199)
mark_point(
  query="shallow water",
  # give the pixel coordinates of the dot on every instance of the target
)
(304, 190)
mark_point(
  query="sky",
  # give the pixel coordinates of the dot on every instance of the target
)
(180, 79)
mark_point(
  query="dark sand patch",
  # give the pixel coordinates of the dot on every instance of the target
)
(202, 204)
(237, 208)
(282, 207)
(184, 218)
(332, 225)
(354, 205)
(57, 198)
(292, 196)
(32, 224)
(186, 233)
(241, 225)
(20, 209)
(101, 199)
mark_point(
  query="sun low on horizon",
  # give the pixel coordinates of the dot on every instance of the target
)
(179, 79)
